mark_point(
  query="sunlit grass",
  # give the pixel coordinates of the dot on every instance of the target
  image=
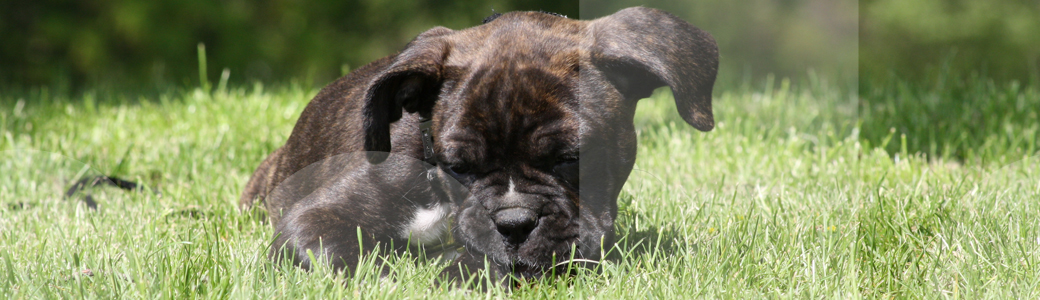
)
(790, 196)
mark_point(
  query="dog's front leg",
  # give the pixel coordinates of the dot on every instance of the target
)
(329, 234)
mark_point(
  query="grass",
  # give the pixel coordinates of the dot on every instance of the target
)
(956, 117)
(797, 193)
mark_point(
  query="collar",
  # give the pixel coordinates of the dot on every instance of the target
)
(425, 128)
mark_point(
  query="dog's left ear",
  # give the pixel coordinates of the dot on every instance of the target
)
(640, 49)
(411, 82)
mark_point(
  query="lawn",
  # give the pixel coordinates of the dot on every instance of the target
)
(800, 191)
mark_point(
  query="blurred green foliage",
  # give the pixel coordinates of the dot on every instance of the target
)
(761, 37)
(153, 43)
(921, 40)
(62, 43)
(951, 78)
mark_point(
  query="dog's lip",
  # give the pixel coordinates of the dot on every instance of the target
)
(567, 268)
(526, 270)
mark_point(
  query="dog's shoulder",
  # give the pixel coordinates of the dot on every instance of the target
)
(349, 87)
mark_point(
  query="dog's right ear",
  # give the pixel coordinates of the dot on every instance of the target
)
(643, 48)
(410, 83)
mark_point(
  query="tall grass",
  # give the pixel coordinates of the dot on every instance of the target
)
(954, 117)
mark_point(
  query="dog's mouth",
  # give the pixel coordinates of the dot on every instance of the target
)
(523, 271)
(522, 266)
(572, 267)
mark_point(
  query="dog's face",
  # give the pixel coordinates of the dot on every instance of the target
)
(511, 135)
(532, 113)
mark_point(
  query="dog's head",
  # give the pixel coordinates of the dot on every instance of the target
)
(532, 112)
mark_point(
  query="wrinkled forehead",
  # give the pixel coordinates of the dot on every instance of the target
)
(514, 80)
(512, 100)
(521, 40)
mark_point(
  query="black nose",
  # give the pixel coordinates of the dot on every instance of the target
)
(516, 223)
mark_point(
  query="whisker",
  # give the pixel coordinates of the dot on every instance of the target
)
(582, 260)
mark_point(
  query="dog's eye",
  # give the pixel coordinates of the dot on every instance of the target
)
(459, 171)
(568, 170)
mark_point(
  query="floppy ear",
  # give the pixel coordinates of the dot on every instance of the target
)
(640, 49)
(410, 83)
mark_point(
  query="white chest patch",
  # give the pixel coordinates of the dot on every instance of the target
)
(428, 226)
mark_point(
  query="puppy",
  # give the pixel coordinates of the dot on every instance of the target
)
(511, 140)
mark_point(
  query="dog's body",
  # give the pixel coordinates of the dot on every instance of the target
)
(515, 105)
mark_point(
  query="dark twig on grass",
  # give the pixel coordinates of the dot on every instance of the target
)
(94, 181)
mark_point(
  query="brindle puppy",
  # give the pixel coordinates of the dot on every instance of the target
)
(515, 105)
